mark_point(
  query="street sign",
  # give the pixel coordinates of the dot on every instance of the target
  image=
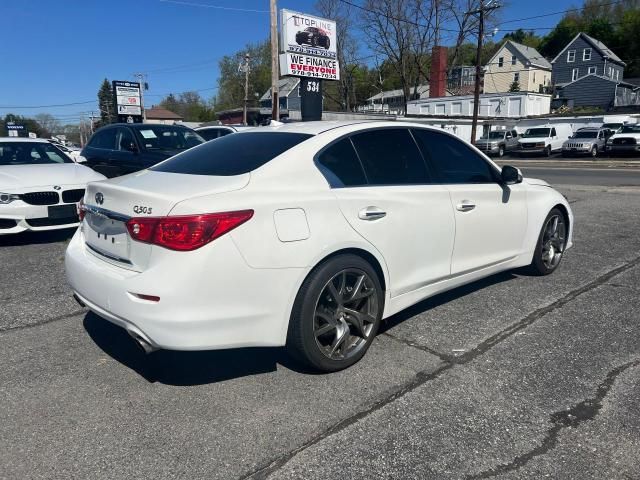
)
(14, 129)
(128, 100)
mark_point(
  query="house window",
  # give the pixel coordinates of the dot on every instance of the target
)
(500, 61)
(534, 77)
(513, 60)
(593, 70)
(617, 74)
(586, 54)
(574, 74)
(516, 77)
(571, 56)
(610, 72)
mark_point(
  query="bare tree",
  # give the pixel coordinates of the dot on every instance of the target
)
(346, 48)
(403, 31)
(48, 122)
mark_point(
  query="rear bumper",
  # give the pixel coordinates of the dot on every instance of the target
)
(209, 298)
(16, 216)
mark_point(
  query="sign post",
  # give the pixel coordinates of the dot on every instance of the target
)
(128, 102)
(309, 45)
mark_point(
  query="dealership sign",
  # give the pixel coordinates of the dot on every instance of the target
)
(128, 100)
(309, 45)
(306, 66)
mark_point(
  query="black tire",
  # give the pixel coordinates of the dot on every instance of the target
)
(311, 308)
(547, 151)
(540, 264)
(501, 151)
(327, 43)
(594, 151)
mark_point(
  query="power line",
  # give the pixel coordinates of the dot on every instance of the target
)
(48, 106)
(218, 7)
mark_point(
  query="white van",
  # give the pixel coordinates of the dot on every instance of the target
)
(545, 139)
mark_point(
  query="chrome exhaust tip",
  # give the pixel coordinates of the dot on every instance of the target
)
(146, 347)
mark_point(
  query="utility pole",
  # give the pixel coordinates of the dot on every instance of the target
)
(476, 93)
(275, 101)
(244, 67)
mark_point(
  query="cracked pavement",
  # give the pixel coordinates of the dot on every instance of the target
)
(510, 377)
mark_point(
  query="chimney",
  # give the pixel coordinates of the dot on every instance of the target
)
(438, 81)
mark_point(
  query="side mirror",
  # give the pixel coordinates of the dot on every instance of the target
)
(510, 175)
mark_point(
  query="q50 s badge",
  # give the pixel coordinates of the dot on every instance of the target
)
(145, 210)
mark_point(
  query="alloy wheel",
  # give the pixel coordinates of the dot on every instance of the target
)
(553, 241)
(345, 314)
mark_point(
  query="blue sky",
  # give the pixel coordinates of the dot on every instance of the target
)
(58, 52)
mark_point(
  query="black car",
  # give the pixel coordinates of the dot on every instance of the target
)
(316, 37)
(122, 148)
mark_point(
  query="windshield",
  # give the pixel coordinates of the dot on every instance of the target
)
(630, 129)
(612, 126)
(30, 153)
(494, 135)
(232, 154)
(537, 132)
(585, 135)
(167, 137)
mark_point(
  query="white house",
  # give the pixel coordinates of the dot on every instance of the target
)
(504, 105)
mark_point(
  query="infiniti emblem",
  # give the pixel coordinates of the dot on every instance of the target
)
(99, 198)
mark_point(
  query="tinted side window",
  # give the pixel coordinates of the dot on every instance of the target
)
(390, 157)
(104, 139)
(553, 132)
(454, 161)
(125, 139)
(340, 165)
(233, 154)
(209, 133)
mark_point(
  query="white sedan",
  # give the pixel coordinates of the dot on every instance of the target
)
(39, 186)
(306, 235)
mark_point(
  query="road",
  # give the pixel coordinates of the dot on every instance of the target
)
(511, 377)
(608, 177)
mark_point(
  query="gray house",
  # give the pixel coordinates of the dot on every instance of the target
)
(288, 96)
(587, 73)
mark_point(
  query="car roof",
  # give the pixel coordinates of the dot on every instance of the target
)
(142, 125)
(318, 127)
(24, 139)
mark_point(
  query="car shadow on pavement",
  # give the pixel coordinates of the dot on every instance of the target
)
(184, 368)
(32, 238)
(445, 297)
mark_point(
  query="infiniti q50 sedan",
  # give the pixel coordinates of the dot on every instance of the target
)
(305, 235)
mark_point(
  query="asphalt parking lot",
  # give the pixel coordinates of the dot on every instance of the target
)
(510, 377)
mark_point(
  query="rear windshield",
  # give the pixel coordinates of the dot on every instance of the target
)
(232, 154)
(167, 137)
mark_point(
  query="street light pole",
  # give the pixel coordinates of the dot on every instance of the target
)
(275, 101)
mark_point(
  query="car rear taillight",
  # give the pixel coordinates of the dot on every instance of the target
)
(187, 232)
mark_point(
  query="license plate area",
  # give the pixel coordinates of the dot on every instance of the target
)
(62, 211)
(108, 237)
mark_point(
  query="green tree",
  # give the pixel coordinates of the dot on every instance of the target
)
(106, 104)
(515, 86)
(231, 80)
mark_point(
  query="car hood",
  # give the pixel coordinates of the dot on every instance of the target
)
(533, 139)
(535, 181)
(17, 177)
(625, 135)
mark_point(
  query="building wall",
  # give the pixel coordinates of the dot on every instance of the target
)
(590, 91)
(563, 69)
(507, 105)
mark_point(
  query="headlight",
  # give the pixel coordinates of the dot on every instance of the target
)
(610, 142)
(8, 198)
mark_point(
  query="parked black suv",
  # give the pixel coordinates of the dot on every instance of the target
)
(122, 148)
(316, 37)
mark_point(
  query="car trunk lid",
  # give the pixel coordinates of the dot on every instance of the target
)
(110, 204)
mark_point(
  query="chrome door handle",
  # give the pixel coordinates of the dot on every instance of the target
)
(465, 206)
(371, 213)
